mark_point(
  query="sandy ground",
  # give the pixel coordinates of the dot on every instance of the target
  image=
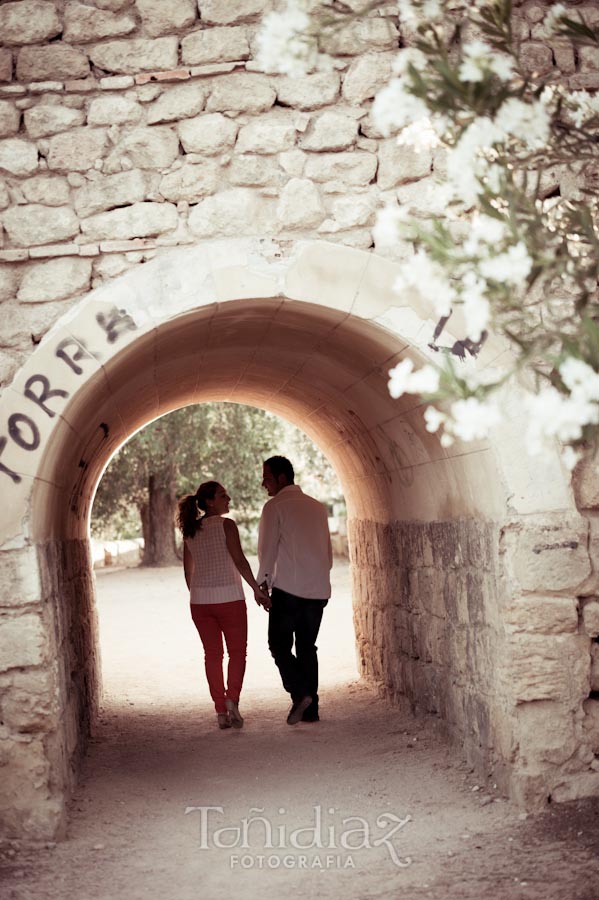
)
(364, 804)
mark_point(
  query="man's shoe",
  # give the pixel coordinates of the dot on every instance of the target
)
(235, 717)
(309, 716)
(223, 720)
(297, 710)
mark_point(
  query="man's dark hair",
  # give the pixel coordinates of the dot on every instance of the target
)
(280, 465)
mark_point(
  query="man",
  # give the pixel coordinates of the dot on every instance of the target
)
(295, 555)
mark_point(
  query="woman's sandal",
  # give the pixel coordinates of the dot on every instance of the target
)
(235, 717)
(223, 720)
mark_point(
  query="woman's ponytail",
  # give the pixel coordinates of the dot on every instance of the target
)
(189, 512)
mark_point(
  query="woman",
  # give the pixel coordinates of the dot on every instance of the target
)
(213, 562)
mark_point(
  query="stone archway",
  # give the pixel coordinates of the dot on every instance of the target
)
(466, 562)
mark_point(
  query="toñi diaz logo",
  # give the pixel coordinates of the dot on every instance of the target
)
(326, 842)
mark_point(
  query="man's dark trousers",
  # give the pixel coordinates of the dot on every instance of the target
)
(295, 617)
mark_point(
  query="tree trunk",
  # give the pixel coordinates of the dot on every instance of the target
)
(158, 527)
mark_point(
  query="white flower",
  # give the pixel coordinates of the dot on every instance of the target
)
(475, 64)
(425, 381)
(484, 231)
(394, 107)
(580, 379)
(433, 419)
(389, 220)
(527, 122)
(555, 415)
(551, 20)
(420, 135)
(570, 457)
(512, 267)
(475, 306)
(284, 42)
(420, 273)
(403, 379)
(399, 378)
(409, 56)
(472, 419)
(502, 66)
(466, 164)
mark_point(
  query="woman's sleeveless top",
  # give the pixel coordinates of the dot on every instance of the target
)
(215, 578)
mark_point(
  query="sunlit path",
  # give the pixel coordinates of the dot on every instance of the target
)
(152, 655)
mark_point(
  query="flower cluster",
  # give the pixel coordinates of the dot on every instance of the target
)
(505, 244)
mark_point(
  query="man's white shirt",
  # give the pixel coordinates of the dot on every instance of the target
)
(294, 545)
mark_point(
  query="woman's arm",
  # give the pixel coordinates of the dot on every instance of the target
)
(241, 563)
(187, 564)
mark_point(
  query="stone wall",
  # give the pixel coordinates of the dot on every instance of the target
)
(128, 129)
(48, 694)
(428, 625)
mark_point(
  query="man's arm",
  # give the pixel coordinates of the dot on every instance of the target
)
(268, 543)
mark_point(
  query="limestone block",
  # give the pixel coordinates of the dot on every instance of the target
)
(55, 62)
(248, 170)
(138, 220)
(18, 157)
(585, 482)
(215, 45)
(114, 109)
(245, 92)
(549, 556)
(355, 168)
(54, 280)
(5, 64)
(542, 615)
(595, 666)
(576, 786)
(330, 131)
(10, 117)
(31, 703)
(135, 55)
(85, 23)
(362, 36)
(366, 76)
(354, 209)
(399, 163)
(591, 723)
(47, 119)
(35, 224)
(159, 17)
(293, 162)
(268, 134)
(147, 148)
(536, 58)
(223, 213)
(179, 102)
(565, 59)
(10, 276)
(209, 134)
(23, 641)
(300, 205)
(590, 617)
(28, 22)
(77, 150)
(223, 12)
(544, 731)
(50, 190)
(109, 191)
(589, 59)
(309, 92)
(191, 182)
(555, 667)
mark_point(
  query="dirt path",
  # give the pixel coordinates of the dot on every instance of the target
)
(364, 804)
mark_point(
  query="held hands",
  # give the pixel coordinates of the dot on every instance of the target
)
(262, 597)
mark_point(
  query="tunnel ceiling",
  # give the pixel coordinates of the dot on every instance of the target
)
(322, 369)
